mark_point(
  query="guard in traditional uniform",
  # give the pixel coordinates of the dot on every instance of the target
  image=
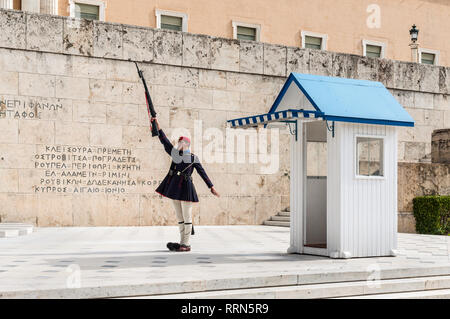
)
(178, 186)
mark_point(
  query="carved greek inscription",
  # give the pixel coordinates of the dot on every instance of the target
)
(13, 108)
(84, 169)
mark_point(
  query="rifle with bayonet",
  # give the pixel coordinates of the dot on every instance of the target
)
(150, 108)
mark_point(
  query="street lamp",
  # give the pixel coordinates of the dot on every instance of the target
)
(414, 33)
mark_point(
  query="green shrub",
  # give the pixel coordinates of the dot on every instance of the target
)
(432, 214)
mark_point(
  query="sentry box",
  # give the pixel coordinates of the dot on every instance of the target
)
(343, 191)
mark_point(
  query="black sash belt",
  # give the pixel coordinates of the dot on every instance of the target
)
(175, 172)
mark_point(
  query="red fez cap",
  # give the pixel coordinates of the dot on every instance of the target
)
(184, 138)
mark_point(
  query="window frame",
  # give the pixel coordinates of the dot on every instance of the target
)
(55, 8)
(101, 7)
(430, 51)
(183, 16)
(374, 43)
(356, 161)
(236, 24)
(324, 37)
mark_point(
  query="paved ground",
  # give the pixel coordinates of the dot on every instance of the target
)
(58, 258)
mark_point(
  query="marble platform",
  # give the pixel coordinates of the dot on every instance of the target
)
(102, 262)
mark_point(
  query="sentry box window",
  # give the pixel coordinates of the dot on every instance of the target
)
(369, 156)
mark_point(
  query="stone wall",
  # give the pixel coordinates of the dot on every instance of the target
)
(66, 84)
(440, 146)
(419, 179)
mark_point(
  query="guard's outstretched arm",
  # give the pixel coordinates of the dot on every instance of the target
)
(201, 171)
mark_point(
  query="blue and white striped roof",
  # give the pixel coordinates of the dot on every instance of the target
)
(334, 99)
(256, 120)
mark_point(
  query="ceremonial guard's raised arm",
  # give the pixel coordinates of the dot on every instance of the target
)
(163, 138)
(165, 141)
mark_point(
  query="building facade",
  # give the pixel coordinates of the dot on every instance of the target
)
(67, 88)
(376, 28)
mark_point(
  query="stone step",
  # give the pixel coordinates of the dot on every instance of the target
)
(19, 225)
(280, 218)
(284, 214)
(276, 223)
(7, 233)
(24, 229)
(356, 289)
(427, 294)
(234, 283)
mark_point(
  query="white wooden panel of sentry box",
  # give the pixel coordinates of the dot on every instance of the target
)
(362, 212)
(296, 192)
(334, 190)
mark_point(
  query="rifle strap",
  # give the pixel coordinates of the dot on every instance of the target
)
(192, 159)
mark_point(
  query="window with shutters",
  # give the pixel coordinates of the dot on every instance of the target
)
(87, 9)
(373, 49)
(246, 31)
(171, 20)
(428, 56)
(313, 40)
(171, 23)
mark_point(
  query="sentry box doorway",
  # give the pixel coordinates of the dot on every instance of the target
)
(343, 191)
